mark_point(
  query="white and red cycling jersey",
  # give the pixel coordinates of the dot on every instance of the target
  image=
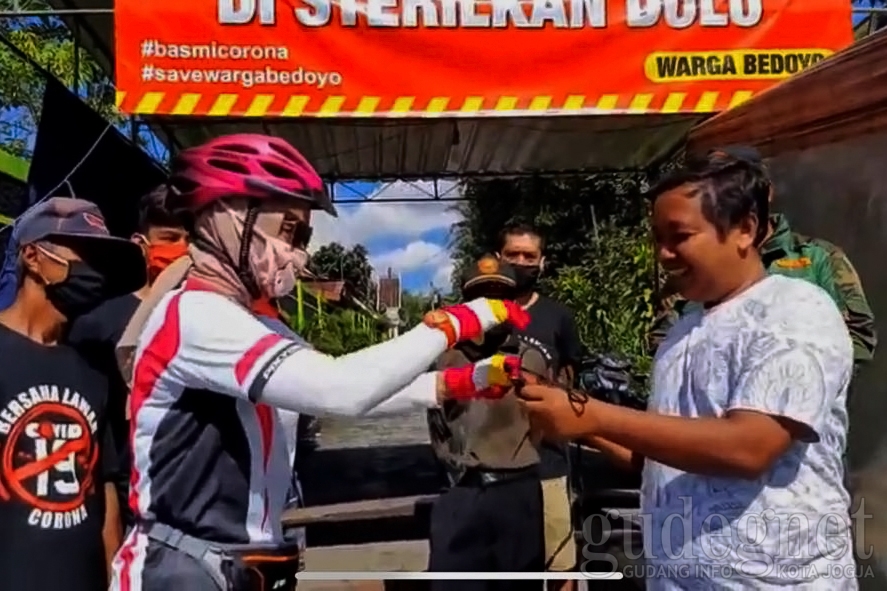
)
(209, 453)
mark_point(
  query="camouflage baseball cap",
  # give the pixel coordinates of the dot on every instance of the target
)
(488, 270)
(80, 225)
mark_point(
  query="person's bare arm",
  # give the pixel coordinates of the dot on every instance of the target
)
(112, 531)
(744, 443)
(621, 456)
(741, 444)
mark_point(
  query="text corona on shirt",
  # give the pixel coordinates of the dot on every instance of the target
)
(48, 455)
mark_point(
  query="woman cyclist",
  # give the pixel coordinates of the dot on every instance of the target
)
(210, 470)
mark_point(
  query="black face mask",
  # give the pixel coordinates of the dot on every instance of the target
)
(526, 277)
(81, 291)
(493, 341)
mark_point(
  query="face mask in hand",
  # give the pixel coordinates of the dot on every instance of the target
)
(526, 277)
(81, 291)
(493, 341)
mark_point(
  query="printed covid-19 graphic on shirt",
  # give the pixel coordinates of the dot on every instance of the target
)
(49, 450)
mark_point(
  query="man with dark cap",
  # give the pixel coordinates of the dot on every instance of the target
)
(491, 519)
(789, 253)
(61, 519)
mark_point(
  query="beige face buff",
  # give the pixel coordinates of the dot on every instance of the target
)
(275, 263)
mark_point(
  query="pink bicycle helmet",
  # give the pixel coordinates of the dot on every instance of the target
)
(247, 165)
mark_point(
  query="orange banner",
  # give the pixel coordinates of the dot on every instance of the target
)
(389, 58)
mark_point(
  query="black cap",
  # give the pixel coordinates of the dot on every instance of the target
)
(80, 222)
(488, 270)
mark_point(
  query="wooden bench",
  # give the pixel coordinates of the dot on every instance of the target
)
(358, 511)
(385, 557)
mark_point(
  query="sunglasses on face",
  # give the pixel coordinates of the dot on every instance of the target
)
(302, 233)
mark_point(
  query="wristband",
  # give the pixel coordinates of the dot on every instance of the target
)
(440, 320)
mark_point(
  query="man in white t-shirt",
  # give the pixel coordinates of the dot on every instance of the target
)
(742, 442)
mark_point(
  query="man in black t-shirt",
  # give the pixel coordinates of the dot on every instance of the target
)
(163, 238)
(552, 329)
(60, 516)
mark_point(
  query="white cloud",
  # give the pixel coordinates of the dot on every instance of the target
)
(365, 221)
(443, 276)
(418, 256)
(412, 257)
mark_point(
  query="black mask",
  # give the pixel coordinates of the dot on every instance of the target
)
(494, 339)
(81, 291)
(526, 277)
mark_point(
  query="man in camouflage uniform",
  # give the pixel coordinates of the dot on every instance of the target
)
(788, 253)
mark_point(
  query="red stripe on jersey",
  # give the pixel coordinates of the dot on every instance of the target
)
(245, 364)
(154, 360)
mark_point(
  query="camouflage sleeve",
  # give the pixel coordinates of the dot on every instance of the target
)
(857, 312)
(669, 313)
(823, 273)
(848, 292)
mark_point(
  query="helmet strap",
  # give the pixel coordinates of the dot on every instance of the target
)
(244, 273)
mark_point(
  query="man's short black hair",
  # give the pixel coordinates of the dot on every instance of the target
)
(519, 229)
(731, 190)
(154, 213)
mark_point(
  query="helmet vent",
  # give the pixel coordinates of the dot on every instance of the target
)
(237, 148)
(278, 171)
(229, 165)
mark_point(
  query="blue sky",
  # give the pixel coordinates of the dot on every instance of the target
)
(410, 238)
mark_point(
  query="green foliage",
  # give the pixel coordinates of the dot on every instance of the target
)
(599, 253)
(338, 332)
(50, 45)
(612, 293)
(568, 211)
(413, 308)
(334, 262)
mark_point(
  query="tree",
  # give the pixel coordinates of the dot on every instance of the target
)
(600, 260)
(49, 43)
(568, 211)
(339, 332)
(413, 308)
(333, 261)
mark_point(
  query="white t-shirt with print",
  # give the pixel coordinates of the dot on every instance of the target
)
(780, 348)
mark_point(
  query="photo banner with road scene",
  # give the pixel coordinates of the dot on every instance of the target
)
(426, 58)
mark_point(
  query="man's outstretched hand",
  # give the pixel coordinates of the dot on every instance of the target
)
(488, 379)
(468, 322)
(550, 410)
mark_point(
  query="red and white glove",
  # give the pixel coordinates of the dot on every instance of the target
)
(489, 378)
(468, 322)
